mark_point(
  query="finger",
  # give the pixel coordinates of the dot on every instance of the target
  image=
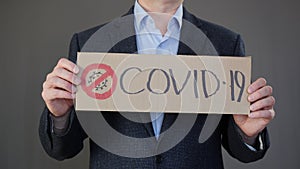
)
(259, 83)
(54, 93)
(68, 65)
(261, 93)
(66, 75)
(266, 114)
(56, 82)
(263, 103)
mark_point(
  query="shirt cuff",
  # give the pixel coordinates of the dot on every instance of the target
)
(261, 145)
(253, 143)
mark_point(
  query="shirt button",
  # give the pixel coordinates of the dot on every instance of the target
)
(158, 159)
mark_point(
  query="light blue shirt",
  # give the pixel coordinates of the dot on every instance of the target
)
(150, 41)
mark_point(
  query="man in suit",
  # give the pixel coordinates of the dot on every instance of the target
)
(244, 137)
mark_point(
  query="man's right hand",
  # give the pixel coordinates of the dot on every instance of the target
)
(60, 87)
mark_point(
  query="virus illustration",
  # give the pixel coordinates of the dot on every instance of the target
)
(95, 75)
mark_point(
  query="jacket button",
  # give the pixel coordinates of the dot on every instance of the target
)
(158, 159)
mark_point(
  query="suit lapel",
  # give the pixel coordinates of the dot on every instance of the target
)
(122, 35)
(124, 29)
(146, 121)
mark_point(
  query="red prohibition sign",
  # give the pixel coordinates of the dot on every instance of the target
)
(89, 88)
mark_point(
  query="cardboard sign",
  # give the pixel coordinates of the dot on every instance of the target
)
(163, 83)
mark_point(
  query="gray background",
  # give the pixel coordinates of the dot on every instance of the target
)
(36, 33)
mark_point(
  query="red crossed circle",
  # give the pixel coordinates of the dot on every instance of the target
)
(89, 89)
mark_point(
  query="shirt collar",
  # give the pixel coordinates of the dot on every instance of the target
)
(140, 14)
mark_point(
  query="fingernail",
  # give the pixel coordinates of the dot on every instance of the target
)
(250, 98)
(251, 115)
(73, 96)
(76, 69)
(251, 107)
(249, 90)
(77, 81)
(74, 89)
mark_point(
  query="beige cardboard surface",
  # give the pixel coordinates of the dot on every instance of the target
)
(163, 83)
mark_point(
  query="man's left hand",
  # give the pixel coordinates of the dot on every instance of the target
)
(262, 112)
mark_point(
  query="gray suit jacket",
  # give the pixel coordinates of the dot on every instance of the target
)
(188, 153)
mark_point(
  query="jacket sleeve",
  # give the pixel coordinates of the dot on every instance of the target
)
(234, 144)
(231, 139)
(70, 143)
